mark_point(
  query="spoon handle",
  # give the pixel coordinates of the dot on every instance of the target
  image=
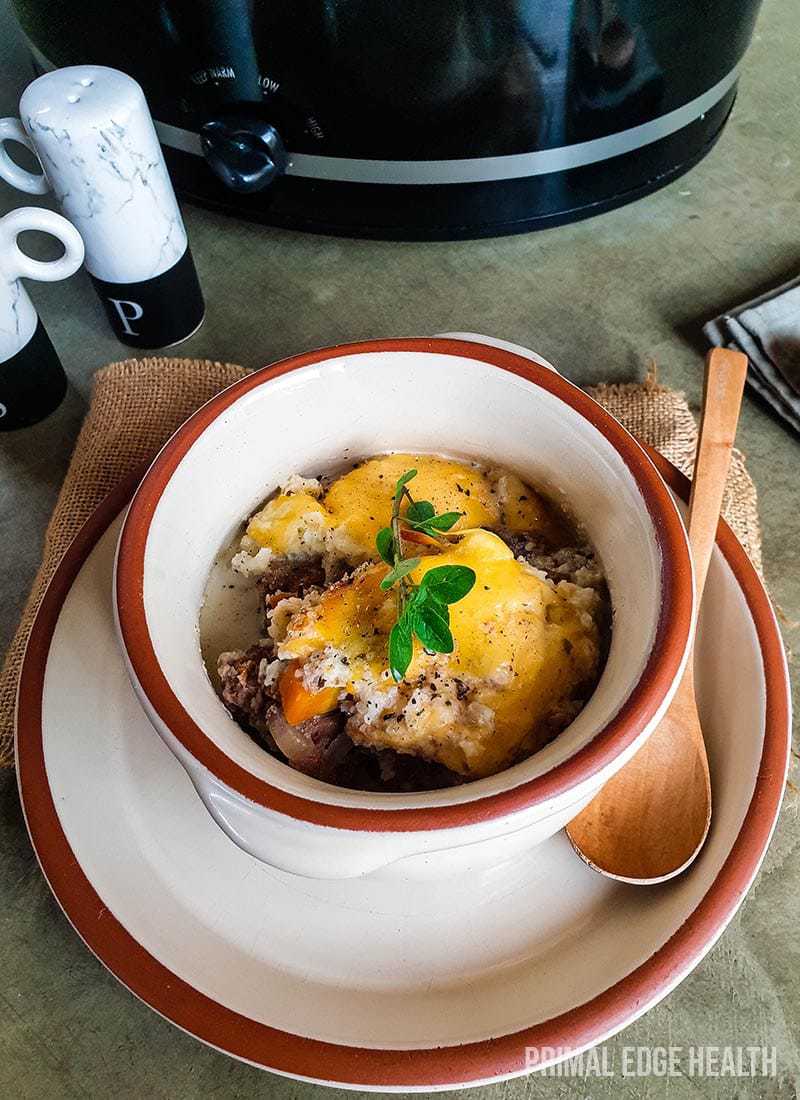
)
(722, 399)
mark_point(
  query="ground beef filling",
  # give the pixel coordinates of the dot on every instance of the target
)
(577, 564)
(290, 577)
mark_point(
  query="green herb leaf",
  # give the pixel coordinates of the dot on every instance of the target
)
(384, 540)
(402, 482)
(401, 648)
(448, 583)
(402, 569)
(419, 511)
(423, 609)
(439, 523)
(431, 625)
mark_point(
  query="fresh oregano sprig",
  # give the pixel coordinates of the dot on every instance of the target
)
(423, 609)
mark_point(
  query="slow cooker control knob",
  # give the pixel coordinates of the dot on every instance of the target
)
(247, 154)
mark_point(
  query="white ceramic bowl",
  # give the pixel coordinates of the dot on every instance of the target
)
(314, 411)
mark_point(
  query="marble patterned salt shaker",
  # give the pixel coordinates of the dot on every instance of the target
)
(92, 131)
(32, 380)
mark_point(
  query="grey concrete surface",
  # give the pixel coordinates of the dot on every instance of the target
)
(598, 298)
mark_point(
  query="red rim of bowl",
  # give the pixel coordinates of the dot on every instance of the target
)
(662, 666)
(483, 1060)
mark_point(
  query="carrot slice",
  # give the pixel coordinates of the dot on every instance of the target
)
(420, 538)
(298, 702)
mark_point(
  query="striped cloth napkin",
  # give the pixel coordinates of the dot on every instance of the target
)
(767, 330)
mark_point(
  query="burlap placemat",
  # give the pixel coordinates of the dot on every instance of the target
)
(137, 404)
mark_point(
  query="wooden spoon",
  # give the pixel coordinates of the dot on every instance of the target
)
(650, 820)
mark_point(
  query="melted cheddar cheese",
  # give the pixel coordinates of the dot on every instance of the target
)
(522, 649)
(290, 523)
(347, 517)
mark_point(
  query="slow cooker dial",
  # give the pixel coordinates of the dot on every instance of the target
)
(245, 152)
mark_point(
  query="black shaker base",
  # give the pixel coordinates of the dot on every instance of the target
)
(32, 383)
(157, 312)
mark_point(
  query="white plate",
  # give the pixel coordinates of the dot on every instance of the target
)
(403, 979)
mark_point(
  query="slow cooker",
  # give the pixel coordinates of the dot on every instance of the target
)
(416, 118)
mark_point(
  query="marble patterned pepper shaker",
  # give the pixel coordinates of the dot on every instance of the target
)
(93, 134)
(32, 380)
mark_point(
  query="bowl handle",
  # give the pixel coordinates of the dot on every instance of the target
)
(310, 851)
(493, 342)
